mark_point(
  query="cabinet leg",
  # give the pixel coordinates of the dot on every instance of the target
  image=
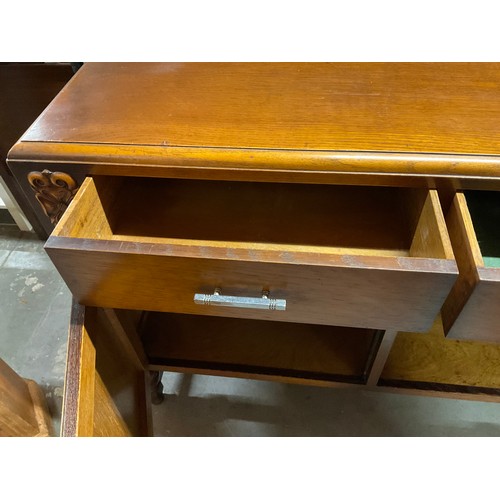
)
(156, 387)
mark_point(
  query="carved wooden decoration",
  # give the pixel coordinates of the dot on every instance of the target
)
(54, 191)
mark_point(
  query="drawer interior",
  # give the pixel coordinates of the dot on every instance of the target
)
(237, 347)
(484, 208)
(297, 217)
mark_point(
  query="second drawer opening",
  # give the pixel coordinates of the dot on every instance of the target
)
(484, 208)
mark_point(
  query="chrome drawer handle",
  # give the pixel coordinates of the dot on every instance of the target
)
(264, 302)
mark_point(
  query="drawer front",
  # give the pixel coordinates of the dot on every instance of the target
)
(338, 261)
(352, 294)
(472, 311)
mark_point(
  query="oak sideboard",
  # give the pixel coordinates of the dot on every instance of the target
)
(317, 223)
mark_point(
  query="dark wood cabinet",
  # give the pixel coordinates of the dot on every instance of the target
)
(26, 89)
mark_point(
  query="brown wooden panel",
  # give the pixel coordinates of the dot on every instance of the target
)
(340, 106)
(471, 310)
(271, 213)
(432, 361)
(431, 236)
(480, 317)
(123, 377)
(17, 410)
(87, 405)
(93, 413)
(371, 293)
(25, 90)
(316, 167)
(105, 390)
(366, 279)
(107, 419)
(468, 258)
(249, 347)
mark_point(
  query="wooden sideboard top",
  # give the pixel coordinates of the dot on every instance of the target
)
(403, 118)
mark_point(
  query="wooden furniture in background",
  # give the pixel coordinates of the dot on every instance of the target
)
(338, 188)
(25, 91)
(23, 410)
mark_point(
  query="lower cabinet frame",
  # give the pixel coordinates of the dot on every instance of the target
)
(106, 390)
(108, 383)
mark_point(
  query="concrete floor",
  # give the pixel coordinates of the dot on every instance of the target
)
(34, 316)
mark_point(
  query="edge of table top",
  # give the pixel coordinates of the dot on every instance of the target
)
(141, 159)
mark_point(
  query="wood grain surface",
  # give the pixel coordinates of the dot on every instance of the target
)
(471, 310)
(412, 107)
(287, 217)
(25, 90)
(105, 387)
(107, 419)
(86, 407)
(250, 120)
(95, 413)
(430, 237)
(417, 360)
(480, 317)
(258, 347)
(468, 257)
(23, 410)
(378, 288)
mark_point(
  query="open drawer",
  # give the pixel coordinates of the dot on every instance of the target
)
(472, 310)
(367, 257)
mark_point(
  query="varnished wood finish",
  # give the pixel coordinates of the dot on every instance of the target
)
(307, 122)
(450, 172)
(105, 386)
(193, 168)
(107, 420)
(23, 410)
(86, 389)
(93, 413)
(25, 90)
(400, 169)
(437, 363)
(468, 256)
(69, 417)
(381, 356)
(287, 217)
(96, 413)
(54, 191)
(431, 237)
(179, 342)
(471, 310)
(400, 107)
(369, 280)
(42, 413)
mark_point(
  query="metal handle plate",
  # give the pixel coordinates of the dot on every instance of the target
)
(217, 299)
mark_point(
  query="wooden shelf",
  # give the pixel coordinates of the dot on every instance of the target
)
(265, 349)
(433, 362)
